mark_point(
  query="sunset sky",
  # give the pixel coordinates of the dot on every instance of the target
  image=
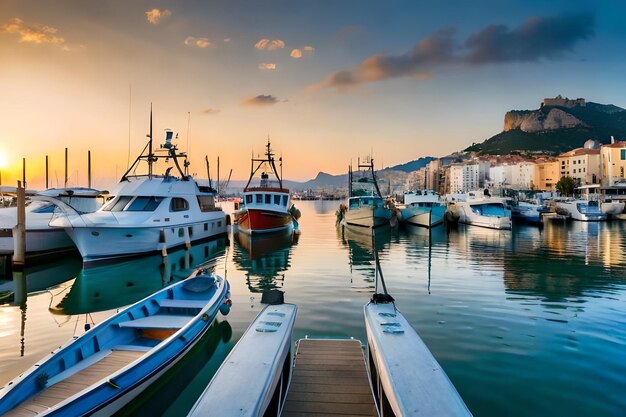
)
(326, 80)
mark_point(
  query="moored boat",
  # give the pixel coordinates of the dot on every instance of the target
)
(253, 379)
(265, 207)
(148, 212)
(41, 208)
(366, 206)
(479, 211)
(582, 210)
(106, 367)
(422, 208)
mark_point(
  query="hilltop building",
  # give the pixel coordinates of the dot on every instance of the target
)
(563, 102)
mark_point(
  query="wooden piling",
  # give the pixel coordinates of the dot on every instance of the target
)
(19, 231)
(89, 169)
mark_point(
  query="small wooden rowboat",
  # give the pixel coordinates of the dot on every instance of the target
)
(102, 370)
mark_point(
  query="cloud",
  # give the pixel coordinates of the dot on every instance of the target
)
(308, 48)
(269, 44)
(226, 40)
(154, 16)
(210, 111)
(32, 33)
(267, 66)
(198, 42)
(296, 53)
(260, 100)
(537, 38)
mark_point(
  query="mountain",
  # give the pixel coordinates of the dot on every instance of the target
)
(559, 125)
(411, 166)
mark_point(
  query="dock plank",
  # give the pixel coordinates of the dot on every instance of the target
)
(329, 378)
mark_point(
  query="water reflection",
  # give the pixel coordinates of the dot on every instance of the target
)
(264, 258)
(361, 243)
(39, 276)
(108, 287)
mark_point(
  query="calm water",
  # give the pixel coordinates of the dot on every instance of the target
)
(529, 322)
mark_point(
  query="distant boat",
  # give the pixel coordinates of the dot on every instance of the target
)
(41, 208)
(582, 210)
(267, 206)
(366, 206)
(106, 367)
(473, 209)
(148, 212)
(422, 208)
(527, 212)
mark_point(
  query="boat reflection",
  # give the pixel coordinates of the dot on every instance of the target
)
(361, 242)
(264, 258)
(40, 276)
(108, 287)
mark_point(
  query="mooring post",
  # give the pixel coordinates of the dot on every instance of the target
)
(19, 231)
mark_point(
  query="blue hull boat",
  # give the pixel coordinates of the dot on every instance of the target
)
(102, 370)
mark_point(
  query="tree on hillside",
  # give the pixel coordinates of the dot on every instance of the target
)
(566, 185)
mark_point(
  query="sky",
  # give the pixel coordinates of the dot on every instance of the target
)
(326, 81)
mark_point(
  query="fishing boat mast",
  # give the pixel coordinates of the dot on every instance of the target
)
(269, 159)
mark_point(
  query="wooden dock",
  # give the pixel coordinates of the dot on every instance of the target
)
(329, 379)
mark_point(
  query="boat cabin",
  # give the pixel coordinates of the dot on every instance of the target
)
(365, 201)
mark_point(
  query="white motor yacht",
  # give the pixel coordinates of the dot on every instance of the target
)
(582, 210)
(148, 213)
(479, 210)
(41, 207)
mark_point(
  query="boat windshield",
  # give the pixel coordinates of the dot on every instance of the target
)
(489, 209)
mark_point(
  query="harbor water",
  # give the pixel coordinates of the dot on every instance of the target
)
(528, 322)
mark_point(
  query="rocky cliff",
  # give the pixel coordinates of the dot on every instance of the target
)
(559, 125)
(532, 121)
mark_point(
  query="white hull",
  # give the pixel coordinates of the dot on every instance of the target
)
(421, 216)
(612, 207)
(104, 242)
(367, 217)
(46, 240)
(581, 211)
(465, 214)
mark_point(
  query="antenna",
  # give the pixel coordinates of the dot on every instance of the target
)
(150, 147)
(188, 128)
(130, 99)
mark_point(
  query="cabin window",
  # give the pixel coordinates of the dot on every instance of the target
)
(181, 232)
(277, 200)
(145, 204)
(248, 199)
(285, 200)
(354, 203)
(206, 202)
(219, 223)
(118, 204)
(179, 204)
(622, 155)
(206, 227)
(49, 208)
(268, 199)
(258, 198)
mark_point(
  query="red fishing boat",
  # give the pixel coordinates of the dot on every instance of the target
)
(266, 207)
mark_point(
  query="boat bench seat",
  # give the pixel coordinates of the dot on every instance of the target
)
(159, 321)
(137, 348)
(168, 302)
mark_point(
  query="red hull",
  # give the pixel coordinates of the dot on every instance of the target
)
(257, 220)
